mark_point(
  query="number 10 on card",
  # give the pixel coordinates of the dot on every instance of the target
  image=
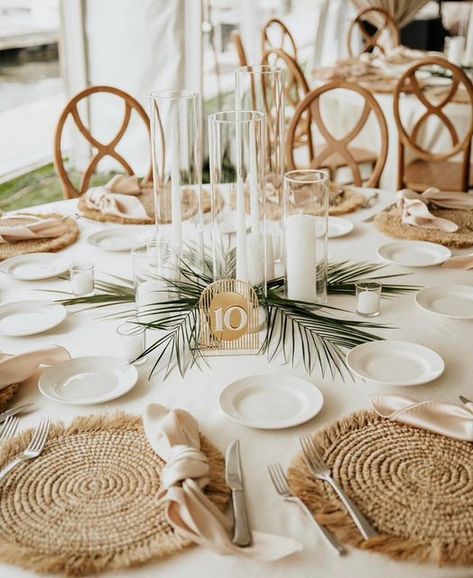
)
(229, 318)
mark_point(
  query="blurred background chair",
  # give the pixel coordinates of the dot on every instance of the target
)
(430, 168)
(276, 34)
(332, 152)
(377, 28)
(236, 38)
(101, 150)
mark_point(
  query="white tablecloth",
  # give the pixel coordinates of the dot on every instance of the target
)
(84, 334)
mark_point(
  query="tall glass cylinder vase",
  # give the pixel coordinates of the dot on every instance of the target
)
(307, 195)
(261, 88)
(236, 147)
(177, 168)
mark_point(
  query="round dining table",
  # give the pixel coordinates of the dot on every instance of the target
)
(87, 332)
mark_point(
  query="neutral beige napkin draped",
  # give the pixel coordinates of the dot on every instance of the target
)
(460, 262)
(443, 418)
(174, 436)
(38, 229)
(415, 209)
(17, 368)
(117, 198)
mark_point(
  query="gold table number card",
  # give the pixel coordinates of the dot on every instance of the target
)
(229, 318)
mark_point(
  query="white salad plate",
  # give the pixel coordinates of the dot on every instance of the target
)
(270, 401)
(395, 363)
(88, 380)
(414, 253)
(452, 301)
(30, 317)
(35, 266)
(338, 227)
(115, 239)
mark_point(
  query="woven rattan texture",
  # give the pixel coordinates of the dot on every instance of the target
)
(89, 502)
(38, 245)
(390, 222)
(416, 487)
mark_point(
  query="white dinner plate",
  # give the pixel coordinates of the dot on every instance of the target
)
(338, 227)
(115, 239)
(30, 317)
(35, 266)
(88, 380)
(270, 401)
(452, 301)
(414, 253)
(396, 363)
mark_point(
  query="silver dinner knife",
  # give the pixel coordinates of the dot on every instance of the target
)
(234, 478)
(14, 410)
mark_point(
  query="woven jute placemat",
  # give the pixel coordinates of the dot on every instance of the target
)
(89, 502)
(190, 207)
(39, 245)
(390, 222)
(7, 394)
(415, 486)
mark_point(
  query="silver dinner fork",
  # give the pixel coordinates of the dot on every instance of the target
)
(9, 427)
(322, 472)
(34, 449)
(279, 479)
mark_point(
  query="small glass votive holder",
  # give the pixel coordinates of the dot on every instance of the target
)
(368, 298)
(82, 279)
(131, 341)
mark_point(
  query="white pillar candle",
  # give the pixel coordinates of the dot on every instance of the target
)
(456, 49)
(150, 292)
(468, 55)
(255, 259)
(270, 273)
(241, 251)
(367, 302)
(301, 258)
(82, 282)
(131, 346)
(253, 183)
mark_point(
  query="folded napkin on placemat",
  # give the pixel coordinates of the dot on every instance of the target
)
(415, 209)
(118, 198)
(17, 368)
(38, 228)
(460, 262)
(443, 418)
(174, 436)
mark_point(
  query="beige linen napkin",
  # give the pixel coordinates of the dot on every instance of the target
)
(37, 229)
(443, 418)
(117, 198)
(174, 436)
(460, 262)
(415, 209)
(17, 368)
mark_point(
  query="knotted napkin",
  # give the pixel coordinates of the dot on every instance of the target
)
(442, 418)
(38, 228)
(17, 368)
(174, 436)
(118, 198)
(415, 209)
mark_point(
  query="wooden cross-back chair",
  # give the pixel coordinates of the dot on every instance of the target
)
(434, 169)
(336, 153)
(237, 42)
(287, 43)
(101, 149)
(384, 23)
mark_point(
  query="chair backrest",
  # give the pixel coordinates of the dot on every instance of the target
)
(276, 27)
(309, 112)
(101, 149)
(296, 85)
(408, 135)
(242, 59)
(384, 23)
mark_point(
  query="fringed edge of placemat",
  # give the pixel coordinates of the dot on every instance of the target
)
(84, 565)
(331, 514)
(8, 393)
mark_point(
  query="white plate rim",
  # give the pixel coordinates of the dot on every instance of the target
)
(303, 386)
(425, 290)
(6, 264)
(88, 401)
(396, 383)
(91, 239)
(39, 302)
(440, 248)
(349, 226)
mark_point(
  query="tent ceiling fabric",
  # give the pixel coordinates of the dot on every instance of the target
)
(403, 11)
